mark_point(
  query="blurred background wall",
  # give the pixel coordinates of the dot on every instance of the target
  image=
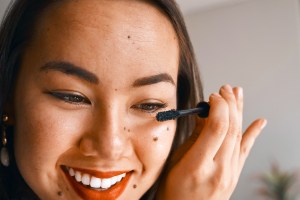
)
(3, 5)
(254, 44)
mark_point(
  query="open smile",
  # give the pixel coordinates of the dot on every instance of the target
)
(94, 185)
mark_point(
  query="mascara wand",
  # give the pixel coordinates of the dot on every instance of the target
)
(202, 110)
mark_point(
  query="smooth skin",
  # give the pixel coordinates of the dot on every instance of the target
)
(110, 126)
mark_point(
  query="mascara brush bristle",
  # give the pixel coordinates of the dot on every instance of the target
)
(201, 110)
(167, 115)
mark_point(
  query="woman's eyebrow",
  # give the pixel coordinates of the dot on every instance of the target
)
(71, 69)
(149, 80)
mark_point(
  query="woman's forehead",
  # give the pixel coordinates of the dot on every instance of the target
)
(107, 20)
(122, 15)
(119, 36)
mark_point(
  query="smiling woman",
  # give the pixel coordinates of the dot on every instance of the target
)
(81, 84)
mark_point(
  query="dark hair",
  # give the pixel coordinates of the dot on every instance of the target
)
(16, 31)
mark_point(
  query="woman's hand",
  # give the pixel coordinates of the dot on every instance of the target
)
(208, 166)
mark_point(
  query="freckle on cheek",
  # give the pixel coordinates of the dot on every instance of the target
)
(59, 193)
(168, 129)
(124, 128)
(128, 130)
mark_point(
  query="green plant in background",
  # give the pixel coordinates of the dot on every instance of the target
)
(277, 184)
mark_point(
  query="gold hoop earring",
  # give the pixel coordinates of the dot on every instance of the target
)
(4, 153)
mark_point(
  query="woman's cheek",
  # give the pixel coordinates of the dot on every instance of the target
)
(153, 140)
(43, 133)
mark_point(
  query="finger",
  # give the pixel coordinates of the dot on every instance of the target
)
(200, 122)
(184, 148)
(238, 91)
(249, 138)
(239, 96)
(214, 130)
(225, 153)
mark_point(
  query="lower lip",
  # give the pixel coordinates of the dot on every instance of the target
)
(93, 194)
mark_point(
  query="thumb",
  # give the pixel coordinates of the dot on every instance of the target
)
(184, 148)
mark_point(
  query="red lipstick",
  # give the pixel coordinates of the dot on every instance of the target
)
(86, 192)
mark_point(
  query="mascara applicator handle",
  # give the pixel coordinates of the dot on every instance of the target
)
(205, 107)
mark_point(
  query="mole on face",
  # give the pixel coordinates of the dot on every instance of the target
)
(116, 90)
(59, 193)
(128, 130)
(124, 128)
(134, 186)
(128, 36)
(155, 139)
(168, 129)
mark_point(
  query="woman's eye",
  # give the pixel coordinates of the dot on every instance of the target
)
(71, 98)
(149, 107)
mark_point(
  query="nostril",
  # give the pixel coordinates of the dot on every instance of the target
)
(87, 148)
(106, 146)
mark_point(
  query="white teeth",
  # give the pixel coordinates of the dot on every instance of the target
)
(119, 178)
(78, 176)
(85, 179)
(106, 183)
(94, 182)
(71, 172)
(114, 180)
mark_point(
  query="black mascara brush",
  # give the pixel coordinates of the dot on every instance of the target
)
(202, 110)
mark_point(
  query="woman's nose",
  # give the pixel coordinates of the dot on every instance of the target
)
(107, 139)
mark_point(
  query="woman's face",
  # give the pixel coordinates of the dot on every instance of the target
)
(89, 87)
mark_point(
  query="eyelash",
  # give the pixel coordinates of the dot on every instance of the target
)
(71, 98)
(80, 99)
(150, 107)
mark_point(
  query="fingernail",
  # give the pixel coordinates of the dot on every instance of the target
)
(215, 94)
(263, 123)
(240, 92)
(227, 88)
